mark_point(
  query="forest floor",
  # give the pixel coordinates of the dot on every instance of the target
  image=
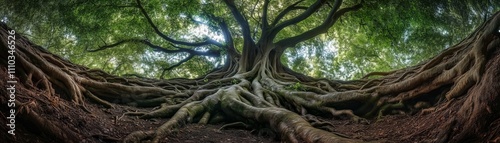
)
(100, 124)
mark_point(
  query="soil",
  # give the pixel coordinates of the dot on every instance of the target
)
(97, 124)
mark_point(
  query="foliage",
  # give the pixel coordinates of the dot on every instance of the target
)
(382, 36)
(296, 86)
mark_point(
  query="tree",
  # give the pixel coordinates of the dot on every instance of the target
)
(254, 87)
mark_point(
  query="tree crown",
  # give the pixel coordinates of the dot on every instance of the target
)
(381, 36)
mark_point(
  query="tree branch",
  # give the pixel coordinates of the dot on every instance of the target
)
(333, 16)
(313, 8)
(190, 17)
(229, 40)
(287, 10)
(176, 65)
(210, 53)
(159, 33)
(245, 27)
(191, 52)
(265, 23)
(221, 24)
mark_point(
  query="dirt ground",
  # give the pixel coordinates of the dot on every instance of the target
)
(99, 125)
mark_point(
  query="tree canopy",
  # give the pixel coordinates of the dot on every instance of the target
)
(382, 36)
(274, 64)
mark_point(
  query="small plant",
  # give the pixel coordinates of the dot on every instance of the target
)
(234, 81)
(205, 80)
(296, 86)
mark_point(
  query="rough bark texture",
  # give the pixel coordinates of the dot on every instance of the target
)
(462, 83)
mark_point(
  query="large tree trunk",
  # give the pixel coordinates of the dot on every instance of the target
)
(461, 85)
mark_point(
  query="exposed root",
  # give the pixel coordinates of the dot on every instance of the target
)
(235, 124)
(377, 73)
